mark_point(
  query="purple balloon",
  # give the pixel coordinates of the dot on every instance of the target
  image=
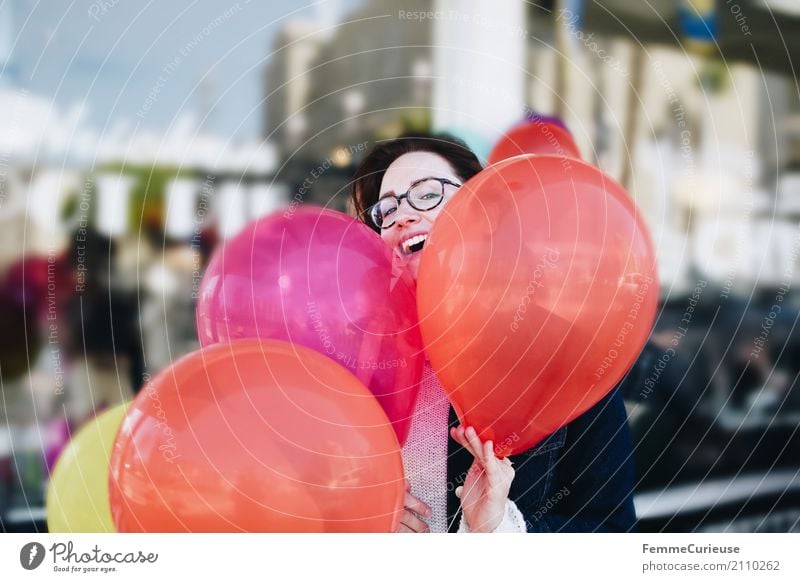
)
(323, 280)
(530, 116)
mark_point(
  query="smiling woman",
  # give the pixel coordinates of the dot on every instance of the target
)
(402, 186)
(580, 478)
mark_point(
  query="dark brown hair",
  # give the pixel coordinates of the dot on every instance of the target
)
(369, 175)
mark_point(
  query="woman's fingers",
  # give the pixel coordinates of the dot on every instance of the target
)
(419, 507)
(412, 523)
(413, 508)
(457, 432)
(491, 465)
(485, 491)
(475, 444)
(489, 460)
(460, 436)
(499, 473)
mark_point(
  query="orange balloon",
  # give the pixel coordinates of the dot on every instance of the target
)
(535, 137)
(537, 290)
(256, 436)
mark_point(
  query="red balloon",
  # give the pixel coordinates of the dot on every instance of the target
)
(535, 137)
(321, 279)
(257, 436)
(537, 291)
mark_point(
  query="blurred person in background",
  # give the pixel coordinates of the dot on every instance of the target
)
(580, 478)
(102, 340)
(168, 296)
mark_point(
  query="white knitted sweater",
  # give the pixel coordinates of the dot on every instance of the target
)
(425, 458)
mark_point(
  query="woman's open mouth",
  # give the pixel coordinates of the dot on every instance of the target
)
(413, 244)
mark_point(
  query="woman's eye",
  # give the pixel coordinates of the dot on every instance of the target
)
(389, 211)
(429, 196)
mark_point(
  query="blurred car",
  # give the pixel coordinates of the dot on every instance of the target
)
(715, 410)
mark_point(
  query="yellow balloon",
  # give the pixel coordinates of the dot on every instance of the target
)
(77, 495)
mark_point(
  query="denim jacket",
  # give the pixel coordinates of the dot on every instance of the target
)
(579, 479)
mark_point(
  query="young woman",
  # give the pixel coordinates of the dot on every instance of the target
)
(580, 478)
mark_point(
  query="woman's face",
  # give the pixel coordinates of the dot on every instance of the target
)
(410, 229)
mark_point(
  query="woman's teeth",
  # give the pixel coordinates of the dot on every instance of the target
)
(414, 244)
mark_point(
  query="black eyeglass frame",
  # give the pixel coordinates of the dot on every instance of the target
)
(405, 195)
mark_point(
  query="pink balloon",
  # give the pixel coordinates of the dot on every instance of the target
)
(321, 279)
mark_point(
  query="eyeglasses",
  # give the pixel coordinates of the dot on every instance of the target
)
(425, 194)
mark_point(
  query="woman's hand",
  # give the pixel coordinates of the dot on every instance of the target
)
(413, 511)
(485, 491)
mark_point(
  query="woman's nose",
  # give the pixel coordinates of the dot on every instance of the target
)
(406, 214)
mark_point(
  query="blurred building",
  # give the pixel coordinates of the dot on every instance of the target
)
(692, 105)
(479, 90)
(372, 79)
(332, 92)
(288, 80)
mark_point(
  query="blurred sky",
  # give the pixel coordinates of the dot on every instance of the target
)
(100, 59)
